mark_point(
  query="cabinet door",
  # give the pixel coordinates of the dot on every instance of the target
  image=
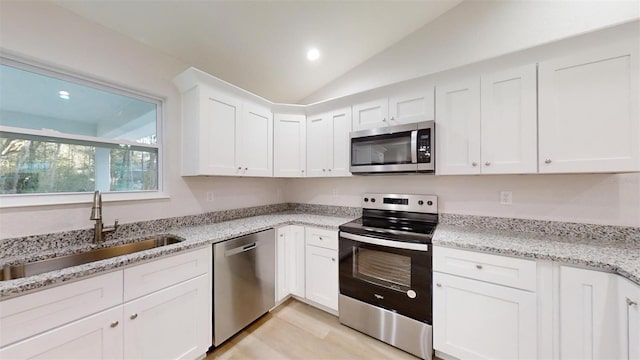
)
(589, 327)
(220, 131)
(290, 136)
(629, 301)
(317, 137)
(174, 323)
(476, 320)
(256, 141)
(296, 257)
(95, 337)
(588, 111)
(322, 276)
(370, 115)
(25, 316)
(458, 127)
(282, 263)
(509, 139)
(412, 107)
(339, 143)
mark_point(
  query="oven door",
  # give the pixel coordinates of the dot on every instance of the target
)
(391, 274)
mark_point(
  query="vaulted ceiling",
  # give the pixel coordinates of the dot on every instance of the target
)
(261, 45)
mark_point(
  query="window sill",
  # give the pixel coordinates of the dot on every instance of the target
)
(26, 200)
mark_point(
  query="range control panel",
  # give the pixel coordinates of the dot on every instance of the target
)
(401, 202)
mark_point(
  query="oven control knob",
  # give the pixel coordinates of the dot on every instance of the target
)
(366, 199)
(411, 294)
(420, 202)
(373, 199)
(429, 202)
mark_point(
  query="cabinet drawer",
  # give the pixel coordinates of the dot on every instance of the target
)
(147, 278)
(501, 270)
(32, 314)
(321, 237)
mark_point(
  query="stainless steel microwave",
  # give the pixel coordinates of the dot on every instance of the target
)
(394, 149)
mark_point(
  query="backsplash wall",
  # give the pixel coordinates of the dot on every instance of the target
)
(608, 199)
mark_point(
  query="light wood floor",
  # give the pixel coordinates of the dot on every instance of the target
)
(296, 330)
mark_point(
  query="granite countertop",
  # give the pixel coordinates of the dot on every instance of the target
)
(193, 237)
(621, 257)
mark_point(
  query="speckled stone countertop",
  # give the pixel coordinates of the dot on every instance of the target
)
(194, 237)
(621, 255)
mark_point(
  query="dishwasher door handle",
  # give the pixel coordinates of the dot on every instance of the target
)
(240, 249)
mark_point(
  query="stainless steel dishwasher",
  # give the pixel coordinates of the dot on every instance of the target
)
(243, 282)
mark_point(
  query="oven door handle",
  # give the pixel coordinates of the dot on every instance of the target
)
(383, 242)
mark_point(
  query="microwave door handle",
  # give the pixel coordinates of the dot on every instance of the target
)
(414, 146)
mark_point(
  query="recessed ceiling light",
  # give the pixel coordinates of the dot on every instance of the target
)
(64, 95)
(313, 54)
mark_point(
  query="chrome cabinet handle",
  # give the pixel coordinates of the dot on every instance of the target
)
(324, 169)
(474, 164)
(133, 317)
(246, 169)
(487, 163)
(631, 302)
(329, 169)
(114, 324)
(393, 118)
(302, 170)
(479, 267)
(239, 167)
(320, 237)
(333, 259)
(547, 161)
(439, 285)
(384, 119)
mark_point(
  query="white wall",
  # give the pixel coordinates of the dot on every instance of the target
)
(612, 199)
(475, 31)
(52, 35)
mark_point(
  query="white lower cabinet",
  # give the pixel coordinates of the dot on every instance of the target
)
(629, 301)
(290, 262)
(168, 324)
(589, 325)
(475, 319)
(322, 276)
(488, 306)
(97, 336)
(168, 316)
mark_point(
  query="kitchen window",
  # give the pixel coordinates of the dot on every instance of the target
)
(62, 136)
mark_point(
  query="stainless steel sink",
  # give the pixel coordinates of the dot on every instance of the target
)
(39, 267)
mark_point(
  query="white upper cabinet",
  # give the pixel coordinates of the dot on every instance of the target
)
(340, 145)
(588, 111)
(371, 114)
(290, 145)
(508, 123)
(458, 127)
(223, 133)
(210, 122)
(256, 139)
(317, 134)
(488, 125)
(403, 108)
(328, 143)
(412, 107)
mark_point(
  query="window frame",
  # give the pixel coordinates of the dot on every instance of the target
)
(44, 199)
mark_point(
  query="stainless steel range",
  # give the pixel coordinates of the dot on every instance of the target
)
(385, 270)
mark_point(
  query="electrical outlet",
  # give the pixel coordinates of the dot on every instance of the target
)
(506, 198)
(210, 196)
